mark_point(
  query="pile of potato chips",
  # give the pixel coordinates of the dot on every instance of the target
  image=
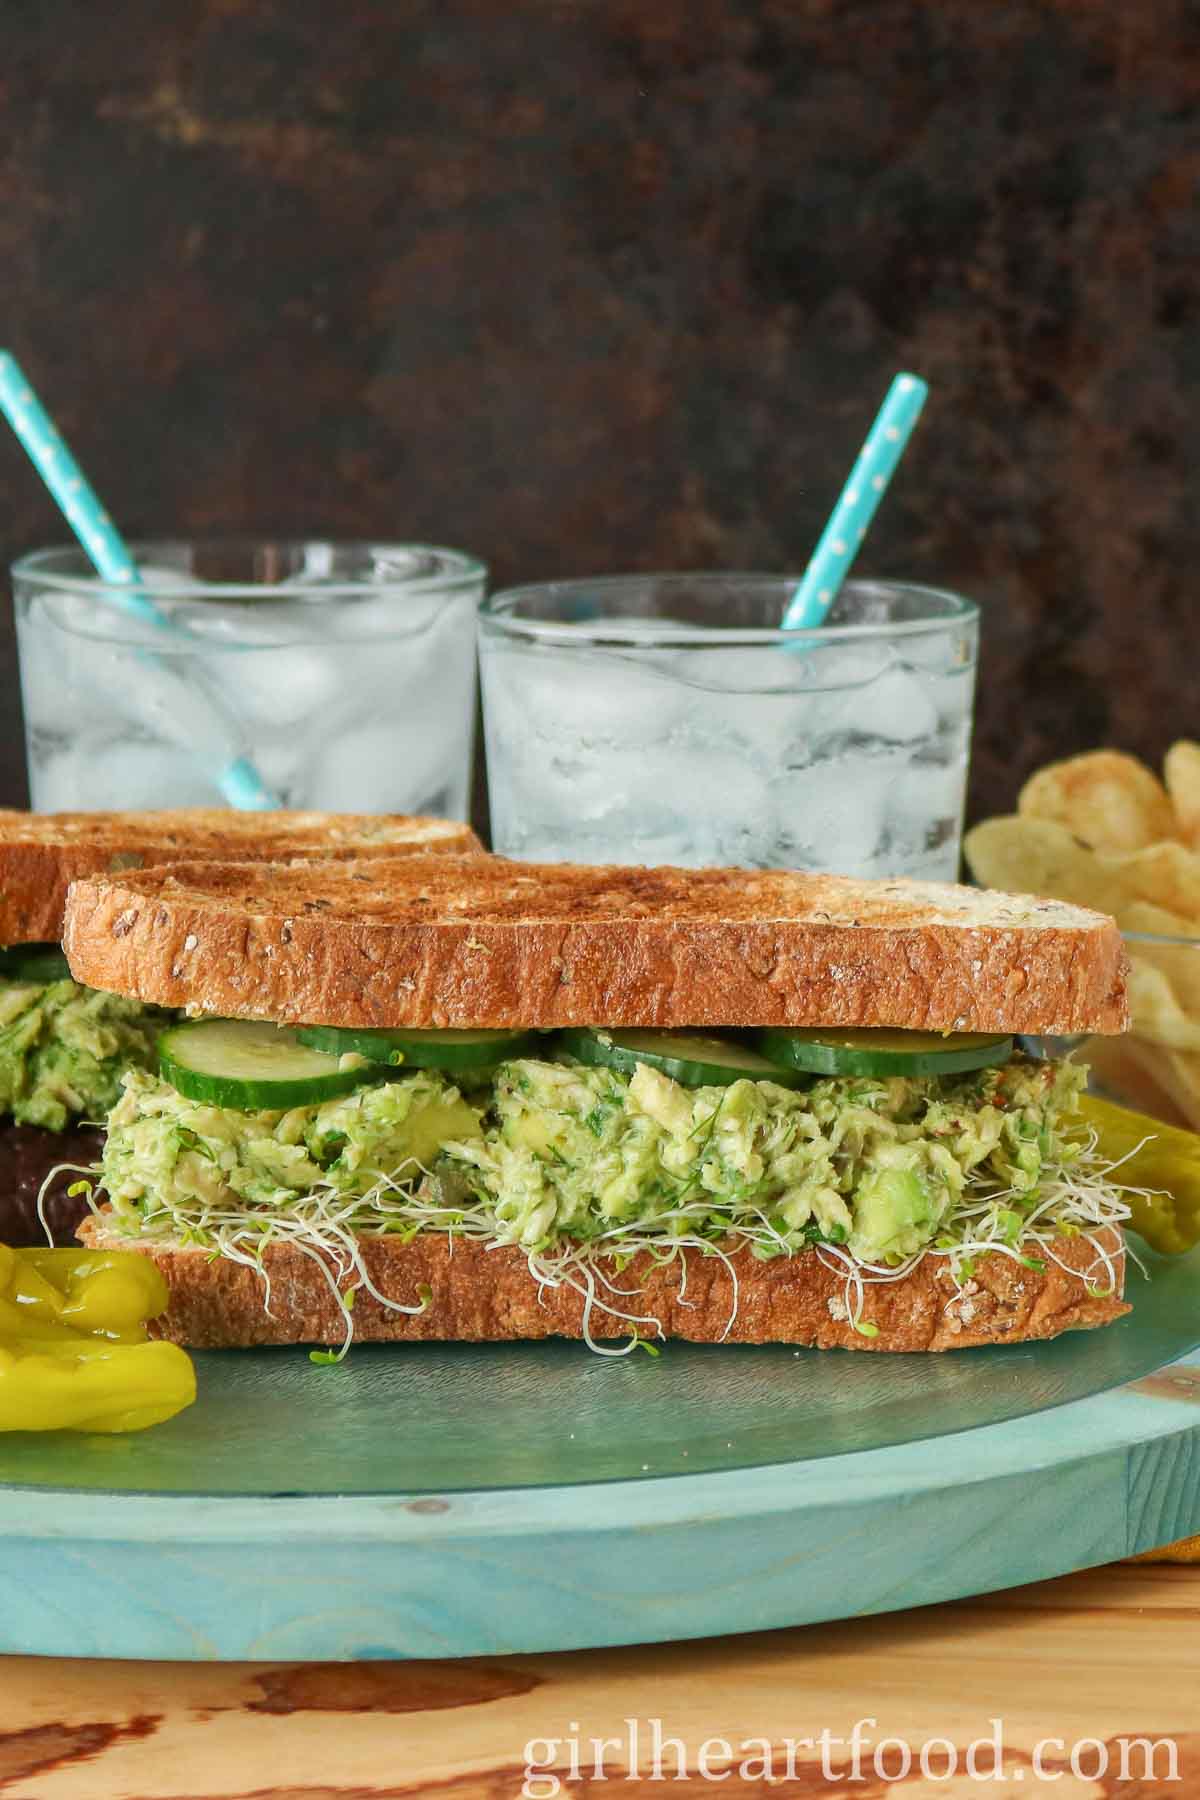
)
(1102, 830)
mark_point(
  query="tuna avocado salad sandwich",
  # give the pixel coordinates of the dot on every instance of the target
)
(467, 1098)
(64, 1048)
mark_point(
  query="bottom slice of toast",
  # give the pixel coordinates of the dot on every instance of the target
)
(481, 1295)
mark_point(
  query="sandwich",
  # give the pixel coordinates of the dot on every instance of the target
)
(64, 1049)
(471, 1098)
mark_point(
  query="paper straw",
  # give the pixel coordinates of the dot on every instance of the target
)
(239, 781)
(847, 527)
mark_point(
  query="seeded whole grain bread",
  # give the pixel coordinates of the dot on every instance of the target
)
(479, 941)
(480, 1295)
(42, 853)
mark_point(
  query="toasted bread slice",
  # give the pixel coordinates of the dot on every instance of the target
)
(42, 853)
(482, 1295)
(479, 941)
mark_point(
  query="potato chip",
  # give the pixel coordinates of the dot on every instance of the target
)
(1036, 856)
(1109, 800)
(1156, 1017)
(1179, 962)
(1165, 875)
(1156, 921)
(1033, 856)
(1182, 770)
(1178, 1073)
(1100, 831)
(1137, 1075)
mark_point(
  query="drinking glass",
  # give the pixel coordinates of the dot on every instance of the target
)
(345, 672)
(669, 719)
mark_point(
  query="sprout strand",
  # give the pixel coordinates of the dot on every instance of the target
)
(328, 1227)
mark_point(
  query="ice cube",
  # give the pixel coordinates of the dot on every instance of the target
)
(563, 789)
(691, 804)
(569, 696)
(739, 669)
(620, 838)
(418, 621)
(833, 665)
(832, 815)
(633, 841)
(924, 816)
(151, 684)
(135, 776)
(171, 699)
(127, 777)
(57, 778)
(953, 694)
(318, 670)
(898, 706)
(138, 614)
(57, 687)
(706, 784)
(892, 707)
(403, 733)
(679, 802)
(298, 686)
(382, 769)
(268, 661)
(931, 789)
(284, 760)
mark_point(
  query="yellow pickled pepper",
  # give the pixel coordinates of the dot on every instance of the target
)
(1164, 1159)
(75, 1354)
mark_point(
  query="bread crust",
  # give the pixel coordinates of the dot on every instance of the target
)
(481, 1295)
(42, 853)
(480, 941)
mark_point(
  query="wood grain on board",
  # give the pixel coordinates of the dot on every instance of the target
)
(1108, 1655)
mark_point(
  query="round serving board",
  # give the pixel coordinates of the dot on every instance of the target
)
(463, 1500)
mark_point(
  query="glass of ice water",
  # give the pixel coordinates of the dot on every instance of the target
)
(669, 719)
(344, 671)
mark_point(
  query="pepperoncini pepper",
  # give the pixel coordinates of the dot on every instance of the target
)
(74, 1351)
(1161, 1164)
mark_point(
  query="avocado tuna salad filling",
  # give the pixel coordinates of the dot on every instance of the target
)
(63, 1051)
(582, 1167)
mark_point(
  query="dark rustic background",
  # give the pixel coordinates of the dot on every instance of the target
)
(585, 285)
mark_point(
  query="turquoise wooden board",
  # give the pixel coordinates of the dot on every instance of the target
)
(468, 1501)
(449, 1418)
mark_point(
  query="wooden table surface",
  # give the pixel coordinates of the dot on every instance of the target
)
(1107, 1655)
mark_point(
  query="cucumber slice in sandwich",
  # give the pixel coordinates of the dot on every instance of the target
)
(252, 1066)
(34, 962)
(880, 1053)
(690, 1057)
(458, 1052)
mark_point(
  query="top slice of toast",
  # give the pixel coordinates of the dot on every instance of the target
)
(42, 853)
(481, 941)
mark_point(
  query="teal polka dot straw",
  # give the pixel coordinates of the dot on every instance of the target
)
(847, 527)
(238, 779)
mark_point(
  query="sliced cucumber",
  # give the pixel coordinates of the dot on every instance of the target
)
(456, 1051)
(876, 1052)
(689, 1057)
(252, 1066)
(34, 962)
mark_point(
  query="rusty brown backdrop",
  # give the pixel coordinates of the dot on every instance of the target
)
(586, 285)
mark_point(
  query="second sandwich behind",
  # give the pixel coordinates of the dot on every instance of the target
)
(64, 1048)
